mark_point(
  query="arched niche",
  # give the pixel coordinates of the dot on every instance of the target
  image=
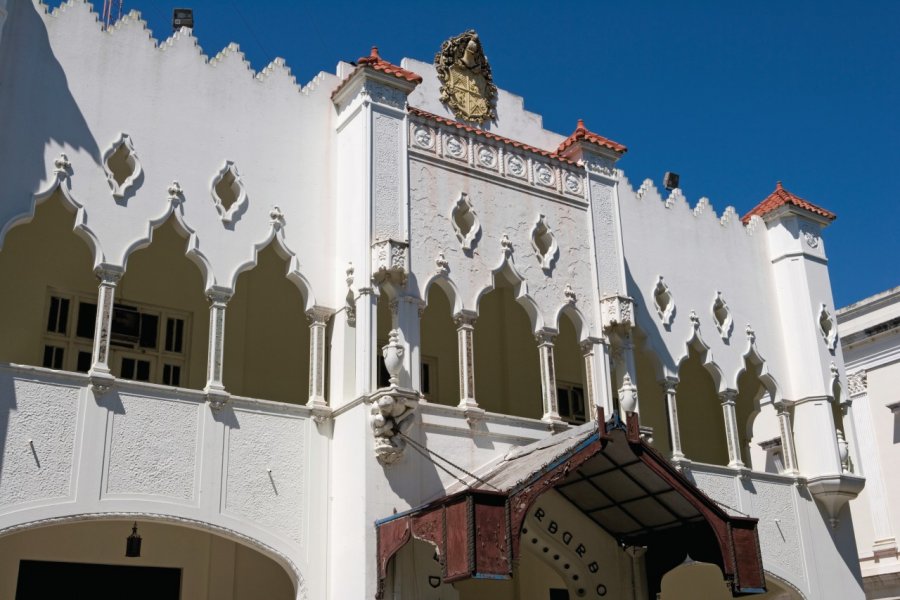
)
(758, 429)
(207, 566)
(700, 417)
(571, 392)
(507, 377)
(47, 271)
(267, 334)
(162, 291)
(651, 393)
(439, 356)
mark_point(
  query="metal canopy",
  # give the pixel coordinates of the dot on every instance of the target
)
(608, 473)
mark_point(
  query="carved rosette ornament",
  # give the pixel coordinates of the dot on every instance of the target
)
(467, 86)
(857, 383)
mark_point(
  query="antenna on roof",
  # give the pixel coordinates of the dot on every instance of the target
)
(108, 6)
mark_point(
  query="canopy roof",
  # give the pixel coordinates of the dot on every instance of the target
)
(608, 473)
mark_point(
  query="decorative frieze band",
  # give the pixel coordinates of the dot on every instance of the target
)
(516, 164)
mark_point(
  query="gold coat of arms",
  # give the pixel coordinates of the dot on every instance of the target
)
(466, 83)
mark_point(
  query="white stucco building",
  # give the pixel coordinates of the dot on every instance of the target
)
(870, 337)
(385, 335)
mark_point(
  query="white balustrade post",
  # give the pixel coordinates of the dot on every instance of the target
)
(728, 399)
(591, 384)
(101, 376)
(318, 320)
(215, 388)
(787, 439)
(465, 340)
(670, 385)
(545, 340)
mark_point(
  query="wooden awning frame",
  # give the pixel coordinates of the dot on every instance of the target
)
(476, 531)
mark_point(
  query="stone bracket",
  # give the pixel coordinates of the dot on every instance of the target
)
(390, 261)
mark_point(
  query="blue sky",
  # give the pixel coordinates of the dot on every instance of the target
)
(731, 95)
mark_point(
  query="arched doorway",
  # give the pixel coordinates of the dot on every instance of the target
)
(86, 559)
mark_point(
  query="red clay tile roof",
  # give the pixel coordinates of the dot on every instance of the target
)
(780, 197)
(374, 61)
(379, 64)
(582, 134)
(488, 135)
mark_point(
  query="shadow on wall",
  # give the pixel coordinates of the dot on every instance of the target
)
(37, 108)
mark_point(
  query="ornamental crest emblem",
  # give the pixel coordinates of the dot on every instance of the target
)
(467, 86)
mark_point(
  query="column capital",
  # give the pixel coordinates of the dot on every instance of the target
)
(588, 345)
(669, 383)
(545, 337)
(319, 315)
(109, 274)
(728, 396)
(465, 318)
(218, 296)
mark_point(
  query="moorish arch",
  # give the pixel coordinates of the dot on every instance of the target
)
(700, 417)
(651, 379)
(48, 271)
(507, 373)
(193, 558)
(267, 331)
(440, 347)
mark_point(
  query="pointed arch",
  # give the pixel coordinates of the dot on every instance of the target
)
(450, 289)
(577, 318)
(506, 275)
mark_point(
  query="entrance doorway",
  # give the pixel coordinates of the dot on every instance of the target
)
(39, 580)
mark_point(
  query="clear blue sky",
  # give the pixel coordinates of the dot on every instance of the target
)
(731, 95)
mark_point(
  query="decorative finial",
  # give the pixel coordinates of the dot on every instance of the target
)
(778, 185)
(374, 53)
(580, 126)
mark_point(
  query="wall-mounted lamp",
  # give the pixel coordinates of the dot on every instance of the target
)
(133, 545)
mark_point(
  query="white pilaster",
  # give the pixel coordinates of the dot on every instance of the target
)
(787, 439)
(109, 276)
(670, 386)
(728, 398)
(218, 300)
(548, 376)
(406, 312)
(465, 340)
(318, 320)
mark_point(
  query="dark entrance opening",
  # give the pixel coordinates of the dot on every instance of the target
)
(39, 580)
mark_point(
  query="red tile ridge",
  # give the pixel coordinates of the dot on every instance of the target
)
(375, 61)
(582, 133)
(491, 136)
(781, 197)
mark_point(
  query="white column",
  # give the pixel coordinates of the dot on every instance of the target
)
(787, 439)
(591, 384)
(670, 385)
(366, 336)
(318, 320)
(548, 376)
(406, 312)
(218, 300)
(465, 341)
(728, 398)
(109, 276)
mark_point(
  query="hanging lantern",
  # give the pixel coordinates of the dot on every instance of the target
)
(133, 544)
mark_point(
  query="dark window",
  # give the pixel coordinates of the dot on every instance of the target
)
(87, 320)
(83, 361)
(135, 369)
(570, 400)
(126, 326)
(53, 357)
(149, 327)
(555, 594)
(39, 580)
(171, 375)
(426, 378)
(58, 319)
(174, 335)
(384, 378)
